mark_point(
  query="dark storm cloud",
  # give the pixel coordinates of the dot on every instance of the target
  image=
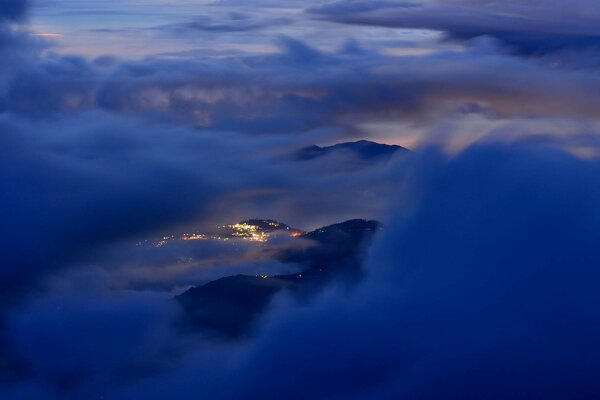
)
(534, 27)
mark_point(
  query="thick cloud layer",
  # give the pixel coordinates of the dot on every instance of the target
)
(533, 27)
(484, 288)
(271, 94)
(482, 284)
(96, 179)
(472, 295)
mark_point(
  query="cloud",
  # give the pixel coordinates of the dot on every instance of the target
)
(75, 185)
(90, 339)
(16, 48)
(482, 289)
(136, 141)
(482, 286)
(272, 94)
(537, 27)
(472, 294)
(60, 186)
(173, 267)
(228, 22)
(13, 9)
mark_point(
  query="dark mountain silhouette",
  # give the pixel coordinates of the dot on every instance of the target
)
(228, 307)
(363, 149)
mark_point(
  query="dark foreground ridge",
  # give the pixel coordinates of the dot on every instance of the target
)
(363, 149)
(228, 306)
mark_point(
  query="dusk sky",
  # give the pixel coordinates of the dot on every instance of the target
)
(328, 200)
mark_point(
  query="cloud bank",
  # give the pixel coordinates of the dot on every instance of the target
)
(536, 27)
(470, 294)
(482, 284)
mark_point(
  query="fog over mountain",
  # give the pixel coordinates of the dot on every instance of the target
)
(341, 199)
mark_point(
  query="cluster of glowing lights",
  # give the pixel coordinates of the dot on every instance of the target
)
(248, 232)
(242, 231)
(193, 236)
(164, 240)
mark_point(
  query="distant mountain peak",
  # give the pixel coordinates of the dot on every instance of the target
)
(364, 149)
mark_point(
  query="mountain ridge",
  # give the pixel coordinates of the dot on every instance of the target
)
(227, 307)
(365, 149)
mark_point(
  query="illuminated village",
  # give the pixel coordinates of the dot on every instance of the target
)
(253, 230)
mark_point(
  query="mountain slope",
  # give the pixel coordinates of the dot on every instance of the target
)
(228, 307)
